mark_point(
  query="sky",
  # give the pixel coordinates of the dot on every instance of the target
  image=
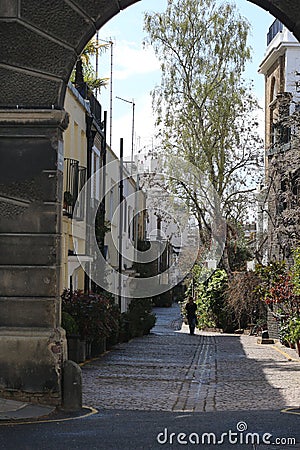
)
(136, 70)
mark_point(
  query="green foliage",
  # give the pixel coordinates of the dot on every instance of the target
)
(242, 300)
(68, 198)
(89, 74)
(210, 297)
(238, 255)
(69, 324)
(284, 332)
(138, 320)
(281, 293)
(96, 315)
(294, 329)
(269, 275)
(295, 271)
(204, 108)
(279, 288)
(276, 289)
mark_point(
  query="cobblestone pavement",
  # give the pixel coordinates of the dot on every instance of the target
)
(169, 370)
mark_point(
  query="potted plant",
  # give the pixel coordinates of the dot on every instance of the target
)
(75, 346)
(97, 317)
(68, 200)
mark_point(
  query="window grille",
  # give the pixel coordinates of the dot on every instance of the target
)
(75, 179)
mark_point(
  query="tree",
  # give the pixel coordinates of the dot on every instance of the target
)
(211, 299)
(205, 110)
(239, 248)
(242, 299)
(84, 71)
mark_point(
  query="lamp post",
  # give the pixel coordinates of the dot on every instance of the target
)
(110, 42)
(120, 249)
(132, 130)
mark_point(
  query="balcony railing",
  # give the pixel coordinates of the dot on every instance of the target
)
(95, 106)
(274, 29)
(75, 178)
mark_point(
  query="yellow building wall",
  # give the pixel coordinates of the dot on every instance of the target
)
(75, 147)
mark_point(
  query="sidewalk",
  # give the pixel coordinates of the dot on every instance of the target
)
(168, 320)
(14, 410)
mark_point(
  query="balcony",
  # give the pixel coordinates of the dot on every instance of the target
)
(274, 29)
(95, 106)
(74, 180)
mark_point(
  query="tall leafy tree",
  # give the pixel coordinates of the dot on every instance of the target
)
(204, 108)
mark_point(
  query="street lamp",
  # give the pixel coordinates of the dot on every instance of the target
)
(110, 42)
(132, 131)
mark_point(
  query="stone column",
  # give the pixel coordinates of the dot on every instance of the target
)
(32, 344)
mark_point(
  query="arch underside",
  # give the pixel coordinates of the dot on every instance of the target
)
(41, 40)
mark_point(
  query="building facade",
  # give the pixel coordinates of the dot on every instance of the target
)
(119, 216)
(280, 198)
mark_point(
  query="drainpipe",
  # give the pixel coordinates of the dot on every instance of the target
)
(121, 189)
(103, 157)
(90, 134)
(136, 218)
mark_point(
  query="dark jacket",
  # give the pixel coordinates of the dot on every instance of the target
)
(191, 309)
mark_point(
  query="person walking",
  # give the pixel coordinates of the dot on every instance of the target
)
(191, 308)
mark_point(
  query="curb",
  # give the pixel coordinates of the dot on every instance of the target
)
(54, 416)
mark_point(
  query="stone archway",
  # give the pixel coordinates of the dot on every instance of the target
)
(39, 45)
(40, 42)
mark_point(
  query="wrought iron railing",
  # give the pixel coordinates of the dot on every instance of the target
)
(75, 178)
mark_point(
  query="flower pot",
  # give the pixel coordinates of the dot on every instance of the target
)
(88, 349)
(98, 347)
(76, 348)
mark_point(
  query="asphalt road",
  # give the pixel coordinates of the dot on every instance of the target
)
(133, 430)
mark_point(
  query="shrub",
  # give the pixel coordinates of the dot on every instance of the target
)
(69, 324)
(211, 295)
(96, 315)
(164, 300)
(280, 289)
(294, 329)
(242, 300)
(138, 320)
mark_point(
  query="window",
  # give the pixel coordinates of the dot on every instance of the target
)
(296, 190)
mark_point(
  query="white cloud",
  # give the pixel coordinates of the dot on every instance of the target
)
(132, 59)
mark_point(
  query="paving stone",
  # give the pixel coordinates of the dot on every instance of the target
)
(169, 370)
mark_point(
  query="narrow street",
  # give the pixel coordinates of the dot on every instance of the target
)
(169, 370)
(172, 390)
